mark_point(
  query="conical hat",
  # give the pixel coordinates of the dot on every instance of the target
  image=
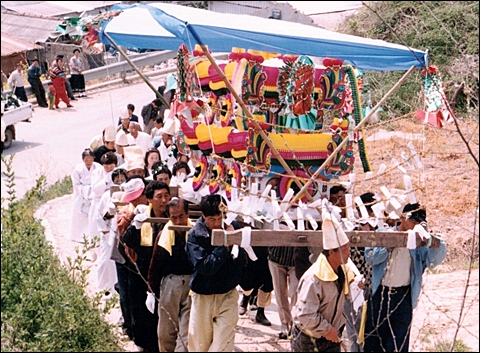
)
(333, 234)
(133, 158)
(110, 133)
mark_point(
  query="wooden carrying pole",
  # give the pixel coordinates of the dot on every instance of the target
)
(255, 123)
(267, 237)
(345, 140)
(117, 47)
(302, 238)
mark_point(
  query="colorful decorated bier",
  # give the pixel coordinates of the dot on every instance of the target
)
(283, 142)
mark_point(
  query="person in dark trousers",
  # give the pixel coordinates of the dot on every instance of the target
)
(17, 84)
(33, 76)
(140, 238)
(396, 285)
(257, 286)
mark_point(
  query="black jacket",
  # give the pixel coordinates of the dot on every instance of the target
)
(214, 269)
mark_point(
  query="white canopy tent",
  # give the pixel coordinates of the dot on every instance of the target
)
(163, 26)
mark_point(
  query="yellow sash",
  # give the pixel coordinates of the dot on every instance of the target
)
(324, 272)
(167, 238)
(146, 231)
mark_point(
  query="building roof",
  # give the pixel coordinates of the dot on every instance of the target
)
(55, 8)
(31, 28)
(13, 45)
(37, 21)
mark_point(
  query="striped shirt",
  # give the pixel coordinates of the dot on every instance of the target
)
(282, 255)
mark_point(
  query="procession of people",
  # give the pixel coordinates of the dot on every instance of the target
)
(178, 292)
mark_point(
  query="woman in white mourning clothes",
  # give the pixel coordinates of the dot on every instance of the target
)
(81, 181)
(101, 182)
(107, 224)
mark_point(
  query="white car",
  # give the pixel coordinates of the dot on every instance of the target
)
(13, 111)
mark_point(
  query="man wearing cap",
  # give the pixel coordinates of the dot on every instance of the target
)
(109, 137)
(101, 181)
(16, 83)
(133, 193)
(318, 312)
(140, 237)
(33, 76)
(396, 284)
(124, 121)
(129, 113)
(134, 161)
(107, 225)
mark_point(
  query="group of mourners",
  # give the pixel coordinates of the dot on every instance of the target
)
(60, 88)
(178, 292)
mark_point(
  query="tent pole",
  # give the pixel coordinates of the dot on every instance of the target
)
(117, 47)
(345, 140)
(255, 123)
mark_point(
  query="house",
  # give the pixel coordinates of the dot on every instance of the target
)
(15, 50)
(38, 22)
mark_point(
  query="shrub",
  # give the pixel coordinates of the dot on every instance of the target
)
(43, 307)
(447, 29)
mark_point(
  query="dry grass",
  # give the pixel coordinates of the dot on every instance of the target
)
(447, 185)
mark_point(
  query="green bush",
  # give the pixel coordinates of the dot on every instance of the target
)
(447, 29)
(44, 306)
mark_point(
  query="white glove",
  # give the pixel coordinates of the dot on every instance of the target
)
(150, 302)
(140, 209)
(139, 219)
(112, 209)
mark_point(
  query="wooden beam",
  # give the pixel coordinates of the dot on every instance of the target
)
(311, 238)
(268, 237)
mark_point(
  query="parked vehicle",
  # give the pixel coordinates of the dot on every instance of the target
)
(13, 111)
